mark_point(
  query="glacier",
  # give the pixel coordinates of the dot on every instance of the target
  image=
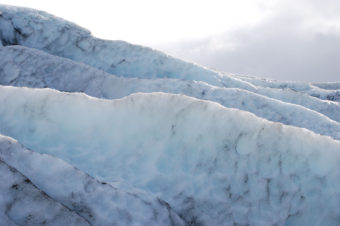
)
(36, 29)
(249, 171)
(22, 66)
(101, 132)
(330, 91)
(22, 203)
(89, 199)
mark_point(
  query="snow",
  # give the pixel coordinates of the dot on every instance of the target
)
(23, 66)
(213, 165)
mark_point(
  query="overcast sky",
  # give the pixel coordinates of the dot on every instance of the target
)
(279, 39)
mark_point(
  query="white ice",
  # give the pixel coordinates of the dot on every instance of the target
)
(21, 203)
(23, 66)
(97, 202)
(36, 29)
(326, 91)
(158, 157)
(213, 165)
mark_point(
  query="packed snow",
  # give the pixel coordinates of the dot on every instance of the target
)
(213, 165)
(98, 132)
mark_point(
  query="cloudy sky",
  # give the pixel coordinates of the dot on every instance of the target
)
(278, 39)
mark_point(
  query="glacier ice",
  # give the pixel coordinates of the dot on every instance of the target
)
(23, 66)
(325, 91)
(36, 29)
(97, 202)
(213, 165)
(328, 85)
(161, 157)
(21, 203)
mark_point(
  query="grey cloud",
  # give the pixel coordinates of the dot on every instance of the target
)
(292, 44)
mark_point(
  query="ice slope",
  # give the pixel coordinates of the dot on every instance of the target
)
(303, 99)
(328, 85)
(213, 165)
(21, 203)
(325, 91)
(97, 202)
(36, 29)
(21, 66)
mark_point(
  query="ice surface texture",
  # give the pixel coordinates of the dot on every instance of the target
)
(326, 91)
(213, 165)
(36, 29)
(98, 203)
(21, 203)
(155, 158)
(23, 66)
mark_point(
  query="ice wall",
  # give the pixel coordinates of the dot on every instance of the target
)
(36, 29)
(213, 165)
(23, 66)
(90, 201)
